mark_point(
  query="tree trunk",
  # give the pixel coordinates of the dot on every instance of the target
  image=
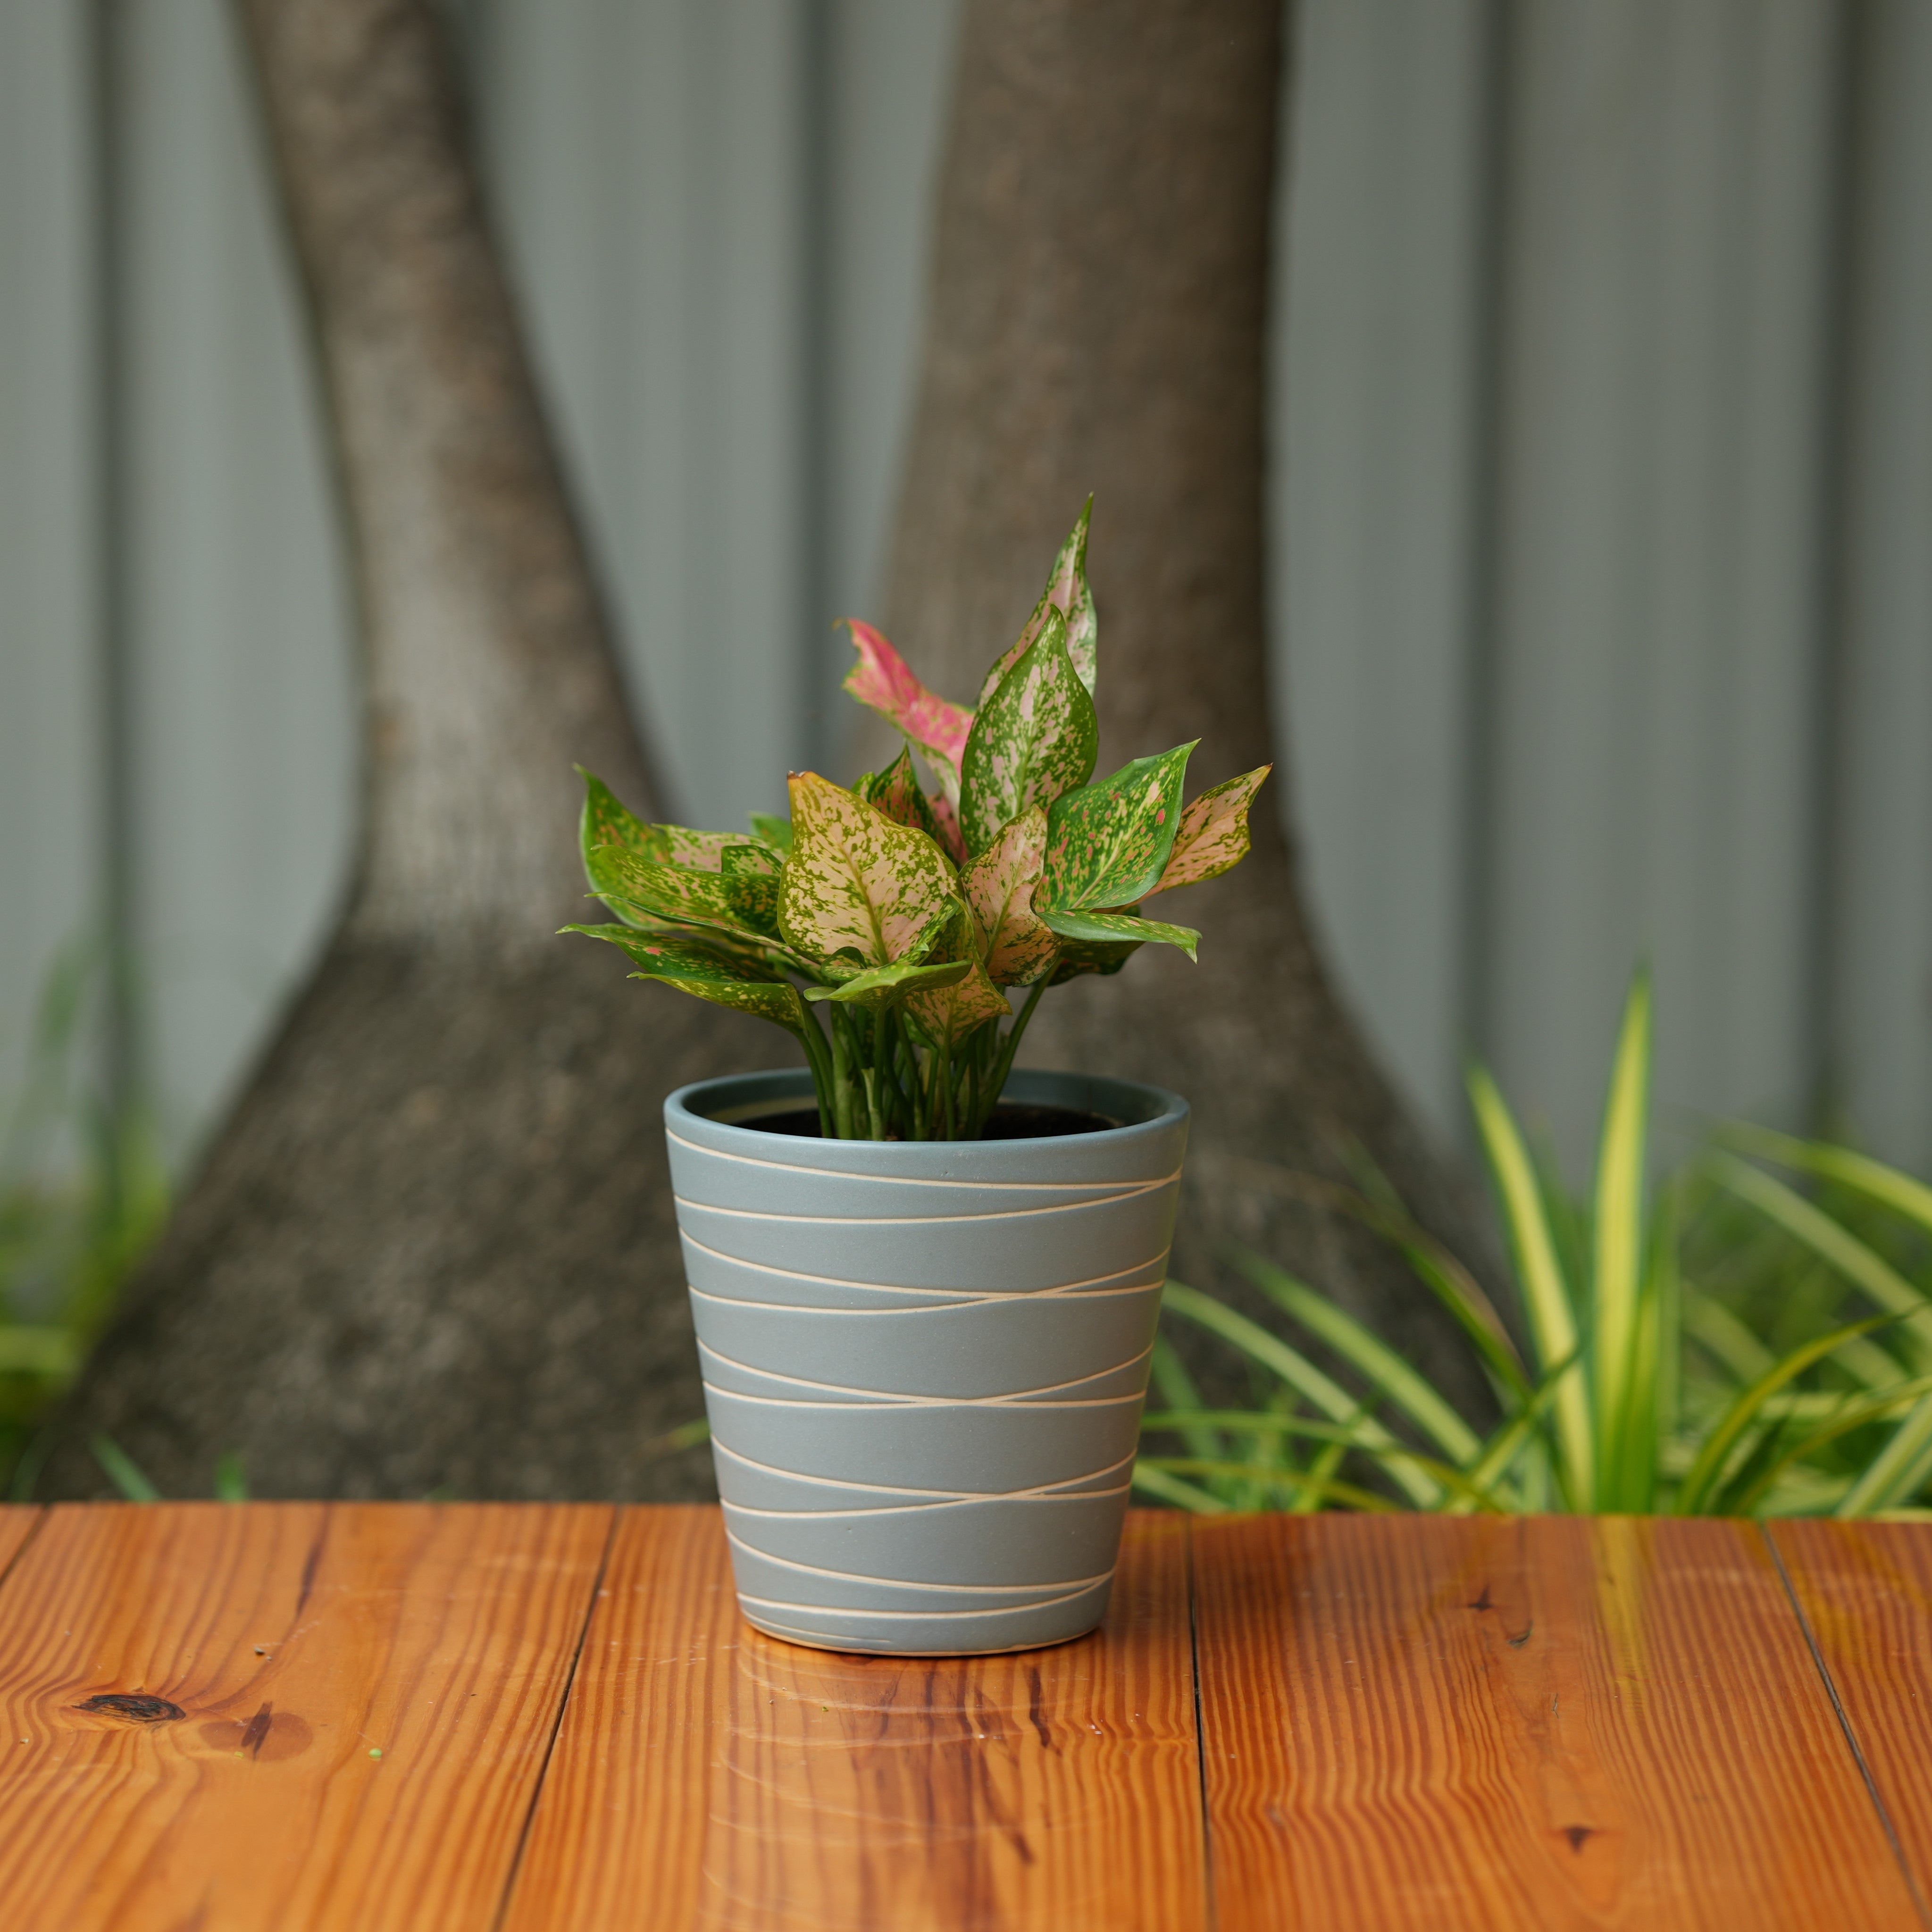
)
(432, 1249)
(1098, 322)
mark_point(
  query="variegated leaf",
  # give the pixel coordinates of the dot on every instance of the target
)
(1121, 925)
(887, 985)
(962, 1007)
(1066, 592)
(698, 851)
(1079, 956)
(1213, 835)
(605, 821)
(1107, 844)
(935, 727)
(1034, 738)
(776, 832)
(1015, 944)
(896, 792)
(751, 875)
(708, 975)
(669, 892)
(855, 879)
(947, 816)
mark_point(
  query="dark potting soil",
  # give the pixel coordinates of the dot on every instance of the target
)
(1010, 1122)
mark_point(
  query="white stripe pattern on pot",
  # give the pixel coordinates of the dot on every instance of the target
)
(924, 1363)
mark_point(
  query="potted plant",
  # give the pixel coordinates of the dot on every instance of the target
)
(925, 1285)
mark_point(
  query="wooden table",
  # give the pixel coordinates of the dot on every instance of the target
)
(528, 1717)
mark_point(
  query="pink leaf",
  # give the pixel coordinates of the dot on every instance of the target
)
(947, 815)
(1213, 833)
(936, 727)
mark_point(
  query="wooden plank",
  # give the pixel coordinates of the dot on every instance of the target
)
(366, 1694)
(707, 1776)
(1865, 1590)
(17, 1521)
(1541, 1722)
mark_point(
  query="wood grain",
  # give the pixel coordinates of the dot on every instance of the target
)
(706, 1776)
(1538, 1723)
(328, 1715)
(1865, 1590)
(18, 1521)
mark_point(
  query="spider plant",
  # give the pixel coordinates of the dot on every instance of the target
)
(1605, 1409)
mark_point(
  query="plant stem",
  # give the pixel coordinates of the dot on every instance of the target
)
(841, 1077)
(1003, 1065)
(820, 1056)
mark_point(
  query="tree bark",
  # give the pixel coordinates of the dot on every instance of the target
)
(432, 1249)
(1097, 323)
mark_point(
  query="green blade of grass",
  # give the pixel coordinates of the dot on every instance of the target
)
(1367, 1354)
(231, 1478)
(1348, 1493)
(1546, 1296)
(1169, 1375)
(1898, 1471)
(1886, 1185)
(1718, 1444)
(1616, 1328)
(1830, 1240)
(1848, 1412)
(123, 1472)
(1294, 1368)
(1170, 1489)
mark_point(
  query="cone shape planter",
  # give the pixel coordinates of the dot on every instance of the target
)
(924, 1361)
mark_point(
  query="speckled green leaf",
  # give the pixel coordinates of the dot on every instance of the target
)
(1015, 944)
(1066, 592)
(751, 876)
(708, 975)
(962, 1007)
(1079, 956)
(606, 821)
(887, 985)
(1034, 738)
(1213, 835)
(1121, 925)
(947, 816)
(896, 792)
(855, 879)
(621, 879)
(776, 832)
(1107, 844)
(935, 727)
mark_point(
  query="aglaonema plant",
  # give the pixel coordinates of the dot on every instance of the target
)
(884, 927)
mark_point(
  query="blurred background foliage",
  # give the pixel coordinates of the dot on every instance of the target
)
(1752, 1336)
(83, 1192)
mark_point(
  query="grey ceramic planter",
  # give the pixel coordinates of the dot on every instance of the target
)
(924, 1363)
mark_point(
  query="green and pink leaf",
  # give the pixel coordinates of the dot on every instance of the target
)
(1016, 943)
(1213, 837)
(857, 880)
(936, 727)
(1114, 927)
(1066, 592)
(1033, 739)
(887, 985)
(1107, 843)
(715, 977)
(960, 1007)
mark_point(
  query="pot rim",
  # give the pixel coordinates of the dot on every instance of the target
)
(693, 1112)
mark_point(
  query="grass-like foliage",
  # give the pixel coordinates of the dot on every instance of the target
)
(1737, 1346)
(883, 927)
(82, 1192)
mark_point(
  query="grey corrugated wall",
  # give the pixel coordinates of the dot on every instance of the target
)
(1603, 449)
